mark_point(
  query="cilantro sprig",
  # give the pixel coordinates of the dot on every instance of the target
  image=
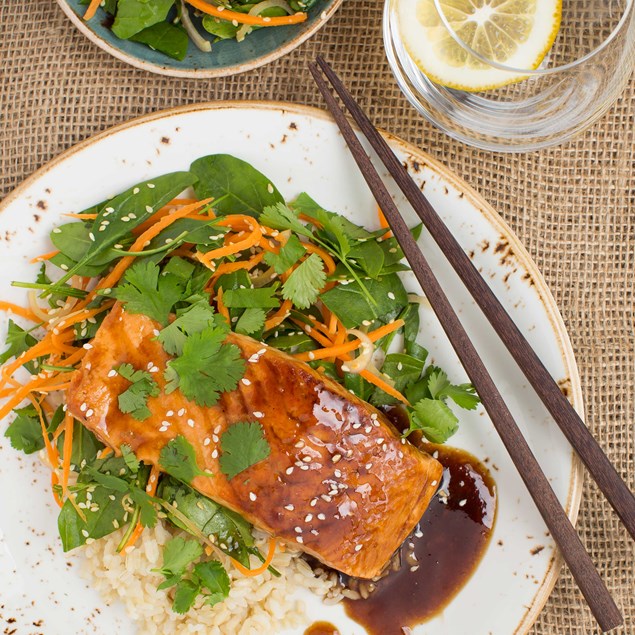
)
(134, 399)
(243, 444)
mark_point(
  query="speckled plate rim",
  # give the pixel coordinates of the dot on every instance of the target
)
(197, 73)
(489, 213)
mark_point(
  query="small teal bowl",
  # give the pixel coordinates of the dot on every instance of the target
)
(227, 57)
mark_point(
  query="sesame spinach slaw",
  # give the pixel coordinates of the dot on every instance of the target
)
(168, 26)
(204, 252)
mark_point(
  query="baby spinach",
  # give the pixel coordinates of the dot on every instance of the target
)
(236, 186)
(120, 215)
(134, 16)
(165, 38)
(352, 306)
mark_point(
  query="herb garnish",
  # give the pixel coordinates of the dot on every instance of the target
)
(243, 444)
(134, 399)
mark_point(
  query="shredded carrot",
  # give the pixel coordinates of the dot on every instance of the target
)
(245, 18)
(308, 219)
(317, 336)
(153, 481)
(383, 223)
(68, 450)
(102, 454)
(233, 248)
(382, 331)
(279, 316)
(250, 573)
(18, 310)
(134, 536)
(329, 351)
(328, 261)
(47, 256)
(380, 383)
(55, 481)
(230, 267)
(92, 9)
(222, 309)
(81, 216)
(332, 327)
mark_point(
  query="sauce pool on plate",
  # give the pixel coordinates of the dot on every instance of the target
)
(438, 558)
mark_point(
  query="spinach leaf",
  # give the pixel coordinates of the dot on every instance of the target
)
(236, 186)
(368, 256)
(165, 38)
(352, 306)
(222, 29)
(135, 15)
(403, 370)
(231, 532)
(119, 216)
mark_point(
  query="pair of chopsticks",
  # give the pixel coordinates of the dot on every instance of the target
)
(616, 491)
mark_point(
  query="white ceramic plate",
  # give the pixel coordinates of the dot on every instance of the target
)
(300, 149)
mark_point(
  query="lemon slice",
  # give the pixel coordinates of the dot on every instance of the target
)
(516, 33)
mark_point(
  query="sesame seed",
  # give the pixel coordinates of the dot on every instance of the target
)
(91, 236)
(304, 468)
(149, 209)
(433, 483)
(289, 507)
(311, 355)
(299, 444)
(321, 517)
(112, 373)
(462, 502)
(83, 407)
(246, 381)
(85, 533)
(299, 539)
(298, 530)
(391, 295)
(190, 422)
(366, 322)
(358, 547)
(258, 415)
(252, 496)
(357, 426)
(125, 219)
(217, 429)
(163, 429)
(315, 532)
(181, 412)
(313, 502)
(88, 346)
(333, 492)
(308, 518)
(367, 429)
(166, 423)
(307, 459)
(289, 470)
(336, 458)
(368, 466)
(169, 413)
(207, 441)
(151, 186)
(338, 474)
(90, 412)
(215, 454)
(325, 498)
(270, 188)
(414, 568)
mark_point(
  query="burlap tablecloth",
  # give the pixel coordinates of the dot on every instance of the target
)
(572, 206)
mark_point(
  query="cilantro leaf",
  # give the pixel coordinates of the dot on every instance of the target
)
(178, 554)
(279, 216)
(289, 254)
(305, 283)
(214, 578)
(18, 341)
(132, 462)
(243, 445)
(178, 459)
(194, 320)
(148, 513)
(437, 383)
(463, 395)
(184, 595)
(263, 298)
(145, 291)
(251, 321)
(134, 400)
(206, 367)
(435, 419)
(25, 431)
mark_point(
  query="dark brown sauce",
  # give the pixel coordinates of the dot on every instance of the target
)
(448, 544)
(321, 628)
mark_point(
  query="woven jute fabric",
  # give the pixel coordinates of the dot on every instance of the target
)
(572, 206)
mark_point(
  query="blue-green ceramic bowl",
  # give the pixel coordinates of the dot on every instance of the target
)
(227, 57)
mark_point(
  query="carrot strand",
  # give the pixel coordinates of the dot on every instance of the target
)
(250, 573)
(245, 18)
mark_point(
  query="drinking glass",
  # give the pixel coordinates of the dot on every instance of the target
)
(582, 75)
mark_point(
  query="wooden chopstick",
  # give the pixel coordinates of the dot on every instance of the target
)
(595, 592)
(574, 429)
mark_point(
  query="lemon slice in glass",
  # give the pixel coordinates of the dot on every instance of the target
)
(516, 33)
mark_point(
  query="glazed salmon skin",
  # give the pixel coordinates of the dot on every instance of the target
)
(339, 482)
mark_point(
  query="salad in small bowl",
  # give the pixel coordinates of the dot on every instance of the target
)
(200, 38)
